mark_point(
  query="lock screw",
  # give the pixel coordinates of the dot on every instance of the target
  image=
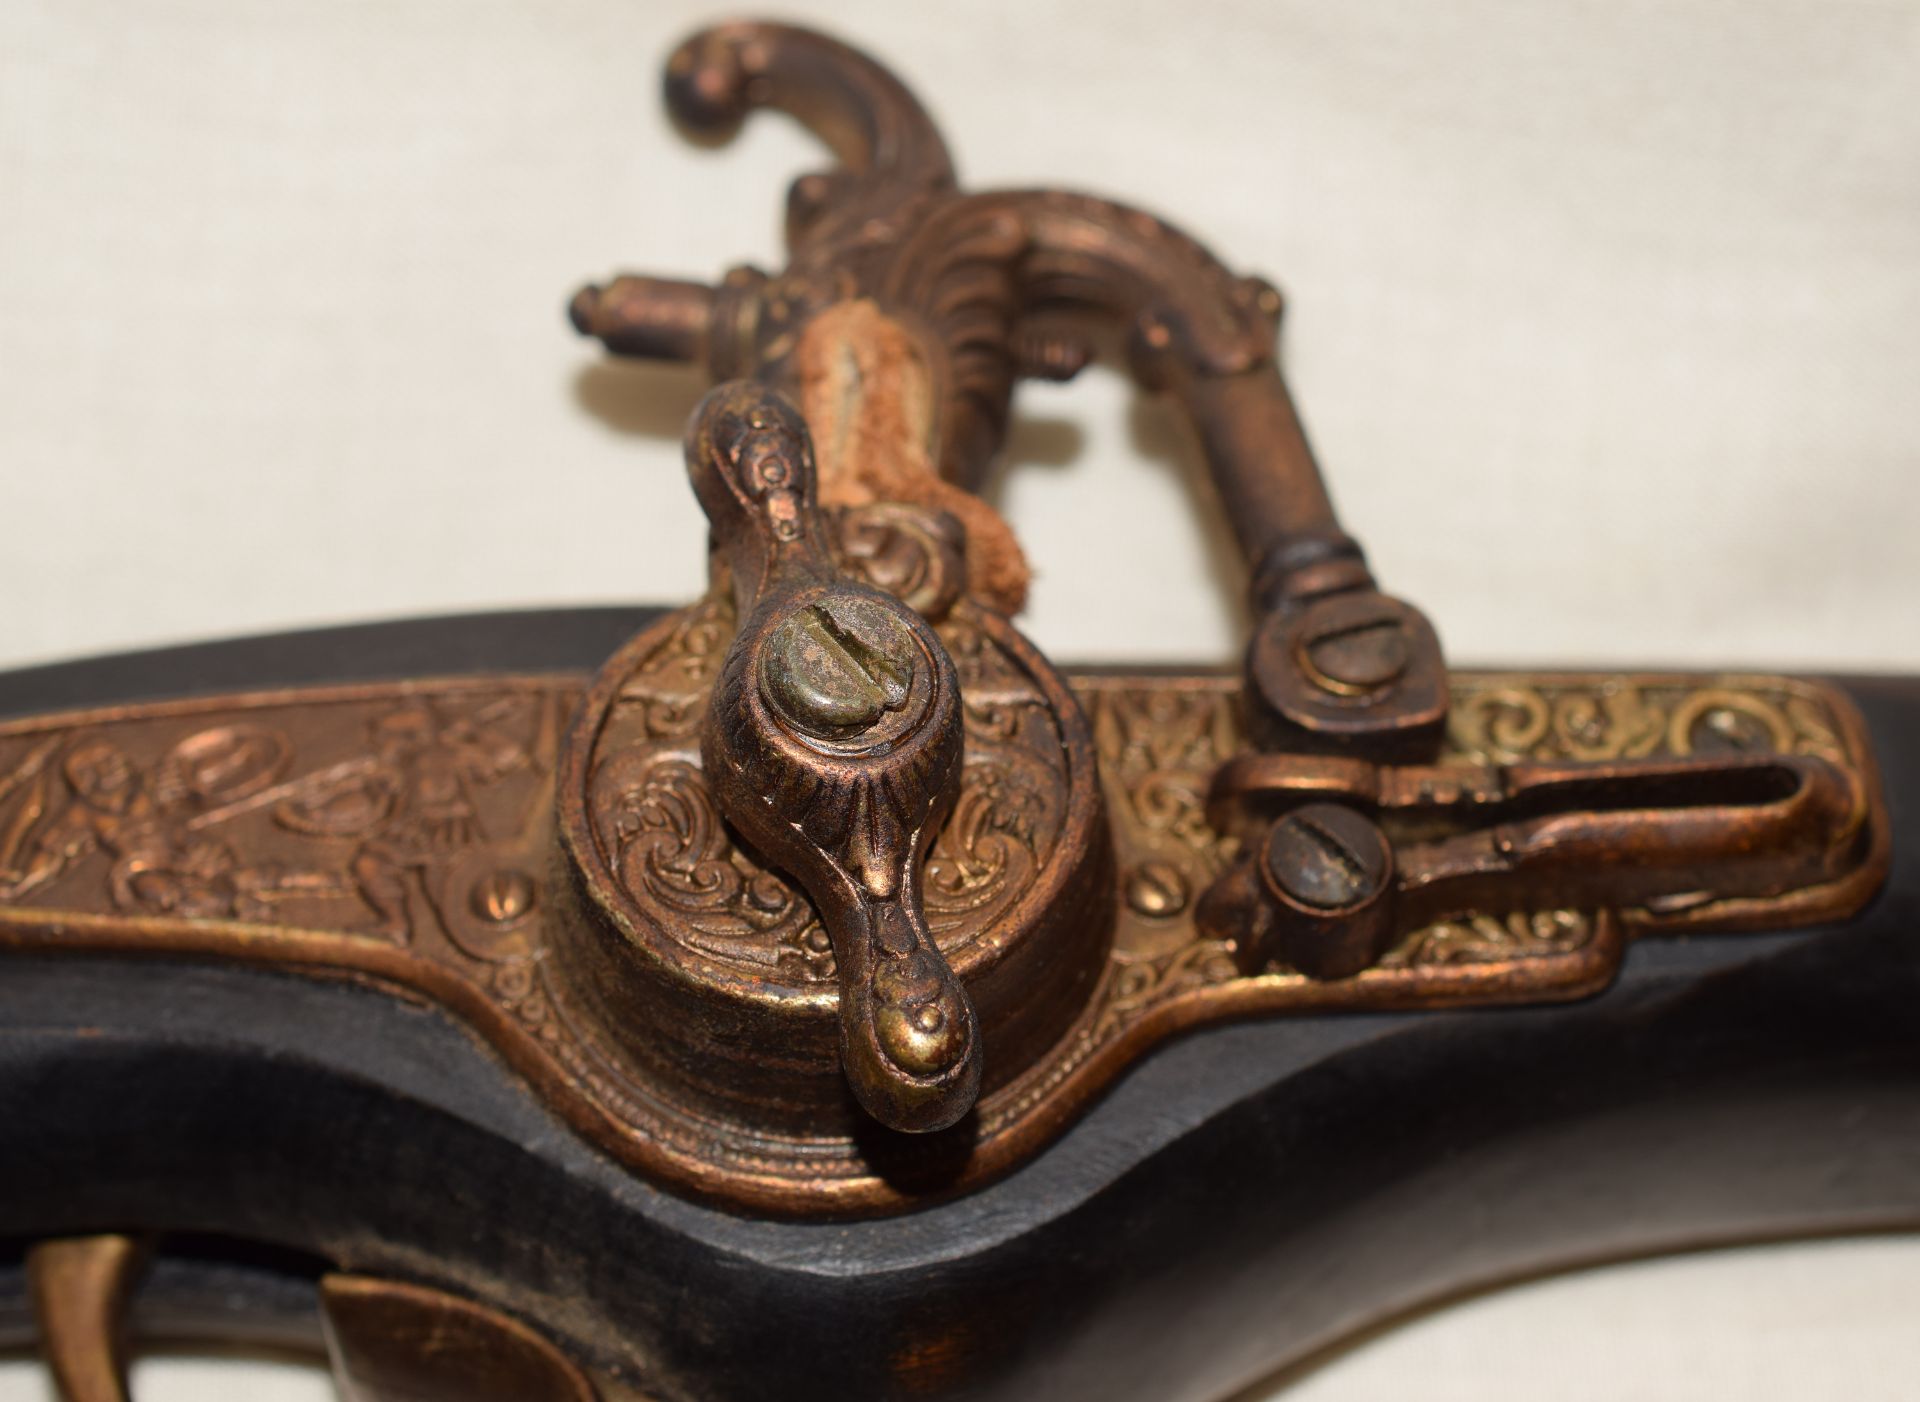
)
(1157, 890)
(1328, 873)
(1326, 858)
(835, 669)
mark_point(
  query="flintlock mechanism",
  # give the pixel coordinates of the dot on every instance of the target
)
(910, 309)
(828, 896)
(908, 312)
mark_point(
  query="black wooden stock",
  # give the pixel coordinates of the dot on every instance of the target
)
(1245, 1196)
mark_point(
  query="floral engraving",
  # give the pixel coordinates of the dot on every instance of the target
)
(685, 871)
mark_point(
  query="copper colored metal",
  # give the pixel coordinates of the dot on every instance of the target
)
(652, 318)
(835, 844)
(402, 836)
(1327, 662)
(828, 895)
(832, 742)
(984, 289)
(1663, 836)
(690, 957)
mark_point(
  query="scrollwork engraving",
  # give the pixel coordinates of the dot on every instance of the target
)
(1483, 938)
(248, 818)
(685, 873)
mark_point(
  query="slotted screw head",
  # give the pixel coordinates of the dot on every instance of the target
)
(1358, 655)
(836, 668)
(1326, 857)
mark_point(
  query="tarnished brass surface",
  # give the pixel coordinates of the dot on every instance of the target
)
(80, 1290)
(1324, 886)
(403, 835)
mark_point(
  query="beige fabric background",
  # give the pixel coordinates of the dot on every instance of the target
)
(1605, 319)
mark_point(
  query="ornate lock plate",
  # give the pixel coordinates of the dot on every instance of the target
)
(829, 894)
(403, 835)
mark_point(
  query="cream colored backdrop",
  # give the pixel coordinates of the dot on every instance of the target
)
(1605, 320)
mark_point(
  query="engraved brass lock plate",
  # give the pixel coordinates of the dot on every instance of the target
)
(404, 834)
(828, 893)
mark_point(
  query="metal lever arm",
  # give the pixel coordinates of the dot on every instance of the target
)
(833, 744)
(1357, 853)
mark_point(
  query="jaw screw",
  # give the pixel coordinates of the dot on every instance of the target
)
(1357, 657)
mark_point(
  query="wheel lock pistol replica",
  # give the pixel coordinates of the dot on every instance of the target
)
(830, 895)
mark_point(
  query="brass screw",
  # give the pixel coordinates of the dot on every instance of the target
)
(1724, 730)
(1157, 890)
(1327, 857)
(1360, 656)
(835, 668)
(501, 897)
